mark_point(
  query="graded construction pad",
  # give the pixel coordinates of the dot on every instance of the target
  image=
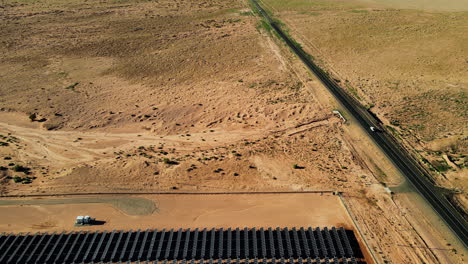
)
(308, 245)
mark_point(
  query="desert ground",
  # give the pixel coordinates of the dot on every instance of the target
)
(187, 96)
(184, 211)
(405, 61)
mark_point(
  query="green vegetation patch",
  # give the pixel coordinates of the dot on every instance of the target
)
(441, 165)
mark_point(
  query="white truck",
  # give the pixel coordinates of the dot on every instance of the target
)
(84, 220)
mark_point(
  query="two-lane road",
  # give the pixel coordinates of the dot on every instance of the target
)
(411, 169)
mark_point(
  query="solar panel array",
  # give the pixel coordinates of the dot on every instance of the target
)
(258, 246)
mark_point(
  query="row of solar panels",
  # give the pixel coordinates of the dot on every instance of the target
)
(150, 245)
(265, 261)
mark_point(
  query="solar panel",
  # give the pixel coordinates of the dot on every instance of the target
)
(31, 254)
(85, 257)
(296, 242)
(160, 244)
(80, 248)
(5, 252)
(135, 242)
(263, 243)
(341, 252)
(117, 244)
(323, 247)
(304, 243)
(151, 246)
(246, 242)
(124, 249)
(280, 242)
(288, 242)
(62, 249)
(238, 239)
(295, 246)
(229, 246)
(329, 241)
(254, 243)
(195, 241)
(203, 245)
(143, 245)
(96, 251)
(177, 245)
(169, 244)
(349, 250)
(272, 243)
(221, 243)
(186, 244)
(212, 243)
(25, 238)
(26, 251)
(4, 243)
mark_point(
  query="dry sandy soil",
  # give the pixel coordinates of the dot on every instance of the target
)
(406, 61)
(179, 96)
(187, 211)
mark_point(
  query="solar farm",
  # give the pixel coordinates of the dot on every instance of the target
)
(263, 245)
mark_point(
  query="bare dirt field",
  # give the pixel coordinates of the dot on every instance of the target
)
(180, 96)
(185, 211)
(404, 60)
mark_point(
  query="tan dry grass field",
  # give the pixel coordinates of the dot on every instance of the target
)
(178, 96)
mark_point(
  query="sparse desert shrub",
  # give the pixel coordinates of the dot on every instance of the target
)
(33, 117)
(72, 87)
(170, 162)
(17, 179)
(19, 168)
(297, 167)
(395, 123)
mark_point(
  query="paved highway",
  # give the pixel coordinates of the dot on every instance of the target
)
(412, 170)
